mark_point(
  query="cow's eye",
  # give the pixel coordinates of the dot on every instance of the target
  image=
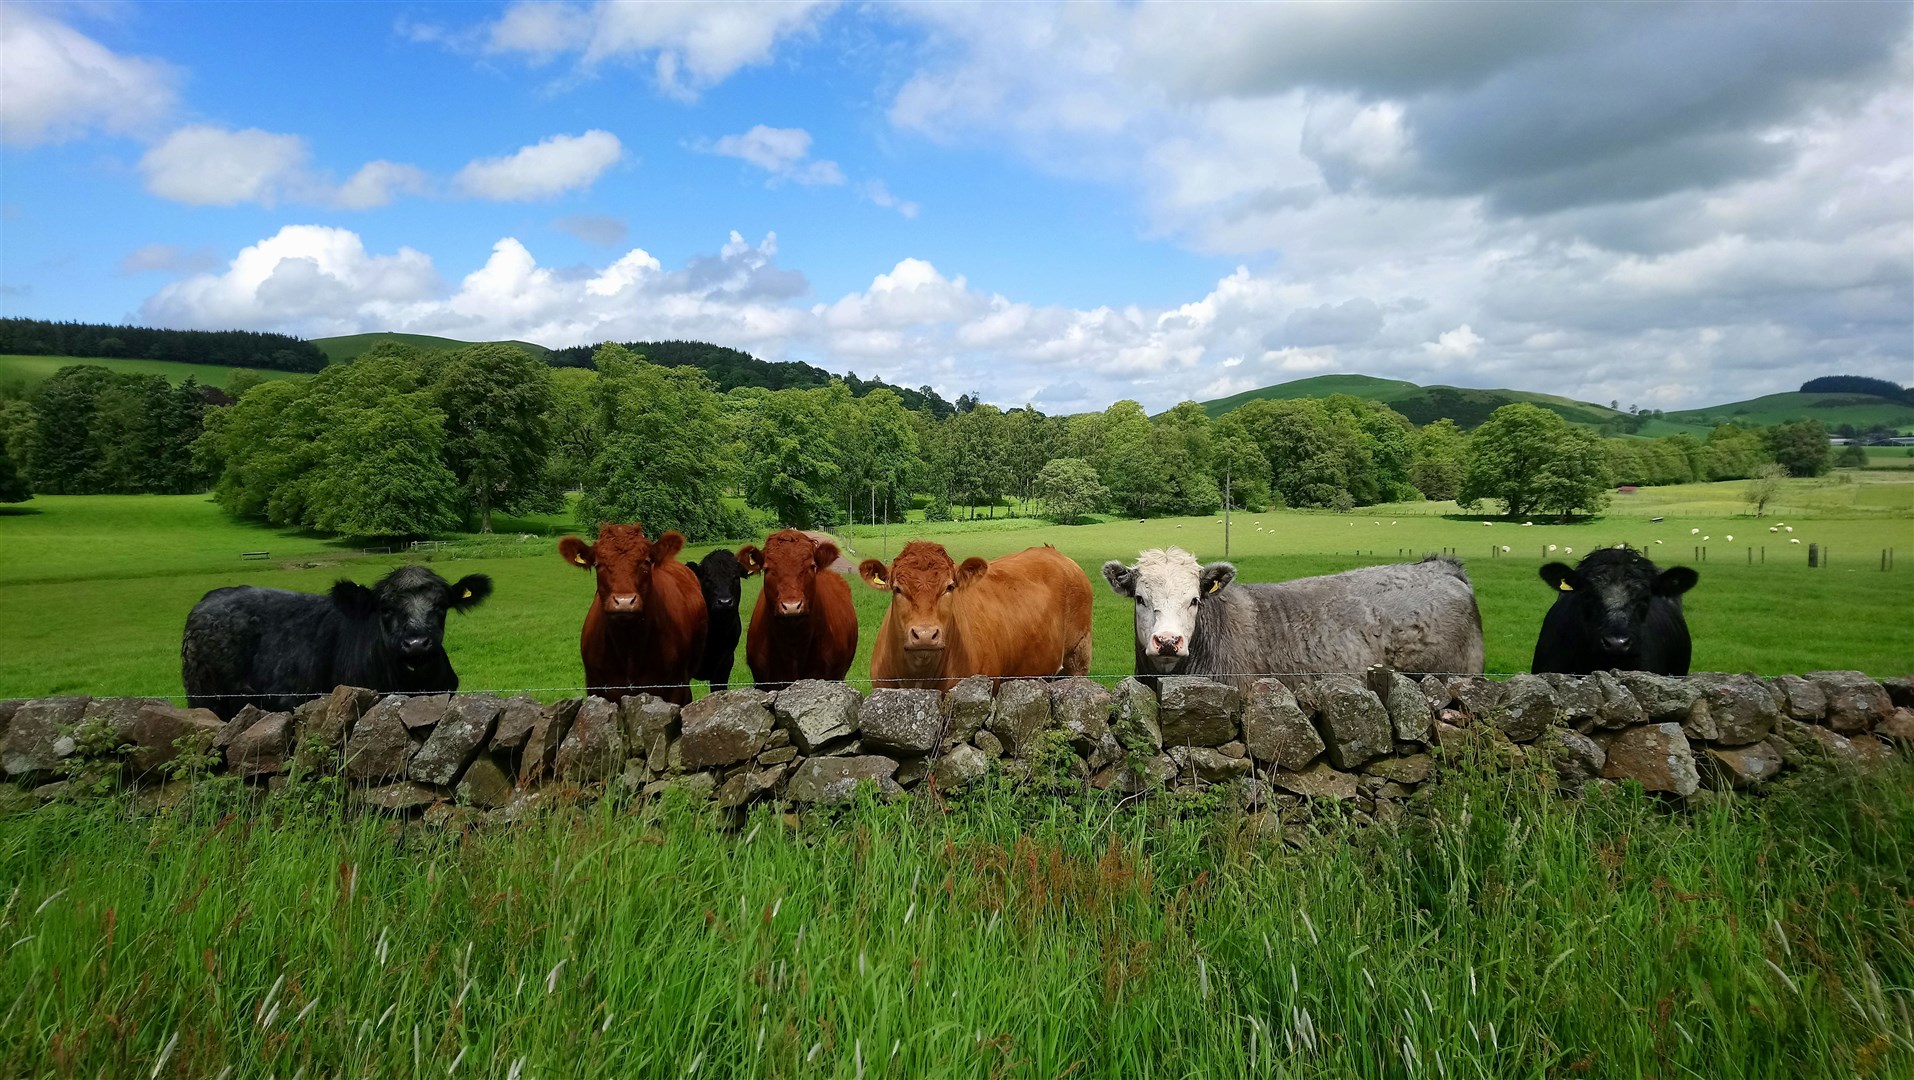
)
(950, 586)
(1194, 599)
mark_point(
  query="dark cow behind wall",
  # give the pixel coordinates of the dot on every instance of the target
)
(646, 625)
(804, 625)
(1615, 610)
(274, 648)
(721, 577)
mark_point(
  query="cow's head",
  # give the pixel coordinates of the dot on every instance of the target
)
(1169, 586)
(1611, 591)
(791, 560)
(721, 577)
(410, 604)
(922, 581)
(624, 560)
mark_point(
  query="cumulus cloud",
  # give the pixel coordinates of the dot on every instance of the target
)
(785, 153)
(690, 47)
(549, 167)
(56, 83)
(317, 278)
(203, 165)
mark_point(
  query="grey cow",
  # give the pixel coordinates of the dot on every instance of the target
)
(1191, 619)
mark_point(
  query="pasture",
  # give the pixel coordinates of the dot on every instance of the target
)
(31, 371)
(95, 589)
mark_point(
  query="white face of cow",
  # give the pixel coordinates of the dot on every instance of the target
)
(1169, 586)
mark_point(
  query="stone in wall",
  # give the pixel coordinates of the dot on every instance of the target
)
(1207, 764)
(1355, 726)
(1741, 707)
(516, 719)
(832, 780)
(403, 797)
(1528, 707)
(594, 748)
(899, 721)
(548, 733)
(464, 727)
(1900, 692)
(421, 713)
(1410, 713)
(1276, 730)
(155, 736)
(969, 704)
(1577, 758)
(1578, 701)
(1133, 717)
(725, 728)
(1022, 712)
(1664, 698)
(1899, 727)
(1750, 766)
(263, 749)
(1657, 756)
(1477, 695)
(380, 747)
(1801, 699)
(750, 785)
(232, 729)
(959, 767)
(1195, 711)
(1319, 781)
(816, 713)
(1618, 708)
(1855, 702)
(1408, 769)
(1082, 709)
(485, 783)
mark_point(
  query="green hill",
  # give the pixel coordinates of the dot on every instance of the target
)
(340, 349)
(1422, 404)
(1862, 411)
(31, 371)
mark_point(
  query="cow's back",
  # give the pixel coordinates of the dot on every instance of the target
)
(269, 647)
(1414, 617)
(1027, 617)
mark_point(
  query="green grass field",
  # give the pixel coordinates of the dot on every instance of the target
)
(1861, 410)
(31, 371)
(95, 589)
(1501, 931)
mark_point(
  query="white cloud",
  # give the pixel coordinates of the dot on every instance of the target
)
(377, 183)
(551, 166)
(785, 153)
(203, 165)
(879, 194)
(691, 47)
(56, 83)
(1458, 344)
(316, 278)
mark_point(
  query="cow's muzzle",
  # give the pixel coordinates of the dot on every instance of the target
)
(623, 604)
(789, 608)
(924, 637)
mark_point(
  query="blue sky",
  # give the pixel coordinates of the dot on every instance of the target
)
(1060, 204)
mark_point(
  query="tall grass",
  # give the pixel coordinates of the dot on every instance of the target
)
(1498, 932)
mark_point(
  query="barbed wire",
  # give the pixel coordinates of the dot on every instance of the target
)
(749, 684)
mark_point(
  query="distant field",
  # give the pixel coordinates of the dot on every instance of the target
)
(1421, 404)
(1890, 457)
(341, 349)
(34, 370)
(1862, 410)
(96, 588)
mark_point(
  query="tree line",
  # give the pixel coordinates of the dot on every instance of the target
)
(408, 442)
(730, 369)
(226, 348)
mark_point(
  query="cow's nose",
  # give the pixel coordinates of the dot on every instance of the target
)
(790, 607)
(926, 635)
(624, 602)
(1617, 642)
(1167, 644)
(413, 646)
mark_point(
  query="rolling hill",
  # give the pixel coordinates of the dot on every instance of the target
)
(31, 371)
(1421, 404)
(1863, 411)
(340, 349)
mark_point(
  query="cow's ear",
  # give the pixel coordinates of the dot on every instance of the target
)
(750, 560)
(667, 547)
(1675, 581)
(1122, 579)
(470, 591)
(1215, 578)
(971, 569)
(874, 574)
(576, 551)
(1559, 576)
(825, 555)
(354, 599)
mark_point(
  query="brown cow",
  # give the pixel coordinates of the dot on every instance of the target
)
(804, 625)
(1023, 616)
(646, 626)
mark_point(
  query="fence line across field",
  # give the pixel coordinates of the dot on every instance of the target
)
(748, 685)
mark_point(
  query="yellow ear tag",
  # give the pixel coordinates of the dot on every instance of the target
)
(1215, 585)
(879, 579)
(465, 594)
(1565, 586)
(579, 559)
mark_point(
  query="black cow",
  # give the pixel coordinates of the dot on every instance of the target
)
(721, 577)
(1616, 610)
(274, 649)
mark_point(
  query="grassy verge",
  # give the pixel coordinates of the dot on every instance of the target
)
(1501, 932)
(33, 370)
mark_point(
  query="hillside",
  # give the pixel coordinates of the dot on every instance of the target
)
(31, 371)
(1421, 404)
(1862, 411)
(340, 349)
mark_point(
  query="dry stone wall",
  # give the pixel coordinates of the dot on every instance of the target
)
(1369, 741)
